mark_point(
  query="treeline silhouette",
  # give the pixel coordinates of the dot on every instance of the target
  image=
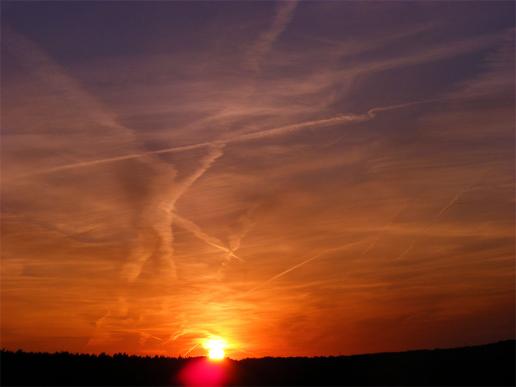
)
(491, 364)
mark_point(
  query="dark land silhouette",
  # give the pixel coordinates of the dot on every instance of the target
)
(491, 364)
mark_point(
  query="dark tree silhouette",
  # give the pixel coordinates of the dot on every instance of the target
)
(492, 364)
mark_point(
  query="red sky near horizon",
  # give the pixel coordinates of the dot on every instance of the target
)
(296, 178)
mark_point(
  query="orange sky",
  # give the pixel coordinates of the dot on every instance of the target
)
(313, 178)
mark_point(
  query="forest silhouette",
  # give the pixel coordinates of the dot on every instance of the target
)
(491, 364)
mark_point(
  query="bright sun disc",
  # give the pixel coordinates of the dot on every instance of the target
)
(215, 348)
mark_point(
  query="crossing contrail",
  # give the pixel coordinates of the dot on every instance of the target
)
(261, 134)
(163, 219)
(199, 233)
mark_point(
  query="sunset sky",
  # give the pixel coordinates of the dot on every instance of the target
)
(311, 178)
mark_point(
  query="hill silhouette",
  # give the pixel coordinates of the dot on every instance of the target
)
(491, 364)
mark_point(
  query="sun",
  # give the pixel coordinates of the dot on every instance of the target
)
(215, 348)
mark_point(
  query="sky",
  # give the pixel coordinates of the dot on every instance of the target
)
(295, 178)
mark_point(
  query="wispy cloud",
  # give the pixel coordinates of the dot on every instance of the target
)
(260, 48)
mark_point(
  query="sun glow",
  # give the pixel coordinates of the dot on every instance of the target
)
(215, 348)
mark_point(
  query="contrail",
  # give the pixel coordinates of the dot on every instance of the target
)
(197, 231)
(132, 156)
(163, 221)
(94, 337)
(379, 235)
(221, 143)
(282, 130)
(341, 118)
(267, 133)
(264, 43)
(443, 210)
(453, 201)
(206, 163)
(407, 250)
(281, 20)
(236, 240)
(52, 74)
(144, 336)
(302, 263)
(372, 112)
(45, 68)
(135, 265)
(158, 221)
(191, 349)
(281, 274)
(138, 255)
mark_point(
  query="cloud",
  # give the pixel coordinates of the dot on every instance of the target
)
(164, 217)
(263, 44)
